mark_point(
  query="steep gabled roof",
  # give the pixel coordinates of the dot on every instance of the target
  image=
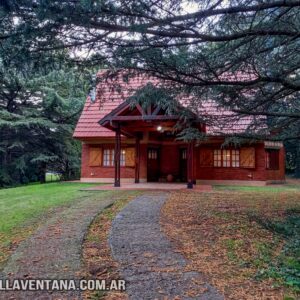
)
(112, 91)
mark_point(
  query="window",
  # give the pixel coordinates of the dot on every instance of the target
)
(235, 158)
(152, 154)
(226, 158)
(109, 157)
(122, 158)
(217, 158)
(183, 154)
(272, 159)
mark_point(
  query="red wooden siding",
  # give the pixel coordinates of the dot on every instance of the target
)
(169, 164)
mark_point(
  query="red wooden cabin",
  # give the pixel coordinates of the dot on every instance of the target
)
(121, 143)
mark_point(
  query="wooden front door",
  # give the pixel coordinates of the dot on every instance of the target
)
(153, 164)
(183, 164)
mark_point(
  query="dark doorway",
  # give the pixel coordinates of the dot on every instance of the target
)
(153, 164)
(183, 164)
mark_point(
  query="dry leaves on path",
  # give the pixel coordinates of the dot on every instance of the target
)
(214, 232)
(97, 257)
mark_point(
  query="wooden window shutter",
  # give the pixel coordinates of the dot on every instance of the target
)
(206, 157)
(95, 157)
(130, 157)
(247, 157)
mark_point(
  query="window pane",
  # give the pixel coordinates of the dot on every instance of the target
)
(106, 157)
(226, 158)
(183, 154)
(112, 157)
(122, 161)
(267, 159)
(152, 154)
(235, 158)
(217, 158)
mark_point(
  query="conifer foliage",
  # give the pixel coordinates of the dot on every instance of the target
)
(38, 111)
(243, 54)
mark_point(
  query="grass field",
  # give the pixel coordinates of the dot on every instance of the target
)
(22, 208)
(246, 240)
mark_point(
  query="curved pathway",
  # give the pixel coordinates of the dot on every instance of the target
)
(147, 261)
(54, 250)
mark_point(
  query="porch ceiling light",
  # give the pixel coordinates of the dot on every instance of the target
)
(159, 128)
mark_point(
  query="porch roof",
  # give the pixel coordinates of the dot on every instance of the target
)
(136, 119)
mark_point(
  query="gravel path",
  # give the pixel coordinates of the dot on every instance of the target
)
(148, 263)
(54, 250)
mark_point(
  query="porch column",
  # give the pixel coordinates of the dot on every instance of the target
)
(118, 156)
(137, 159)
(190, 167)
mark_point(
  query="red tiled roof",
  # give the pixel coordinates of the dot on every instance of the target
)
(221, 121)
(112, 91)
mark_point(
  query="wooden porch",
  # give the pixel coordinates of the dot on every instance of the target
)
(157, 126)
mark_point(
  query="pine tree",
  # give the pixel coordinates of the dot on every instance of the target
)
(39, 110)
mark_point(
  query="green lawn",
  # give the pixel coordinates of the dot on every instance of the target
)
(21, 209)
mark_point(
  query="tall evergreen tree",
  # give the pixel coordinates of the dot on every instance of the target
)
(196, 45)
(39, 107)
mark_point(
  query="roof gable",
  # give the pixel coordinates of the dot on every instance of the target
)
(110, 93)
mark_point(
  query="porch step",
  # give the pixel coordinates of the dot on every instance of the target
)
(151, 186)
